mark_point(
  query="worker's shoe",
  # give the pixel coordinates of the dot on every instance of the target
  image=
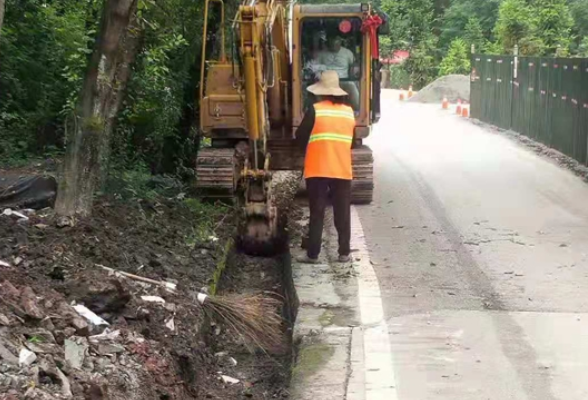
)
(305, 259)
(344, 259)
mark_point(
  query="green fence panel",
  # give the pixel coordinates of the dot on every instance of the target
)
(504, 78)
(543, 119)
(583, 109)
(546, 101)
(535, 113)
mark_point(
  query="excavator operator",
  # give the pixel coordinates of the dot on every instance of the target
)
(327, 131)
(342, 60)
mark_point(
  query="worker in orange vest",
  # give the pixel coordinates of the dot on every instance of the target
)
(327, 132)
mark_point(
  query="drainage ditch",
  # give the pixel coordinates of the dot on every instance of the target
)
(263, 374)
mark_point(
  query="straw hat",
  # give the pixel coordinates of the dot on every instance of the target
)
(328, 85)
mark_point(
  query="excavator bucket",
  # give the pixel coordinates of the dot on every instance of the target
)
(258, 229)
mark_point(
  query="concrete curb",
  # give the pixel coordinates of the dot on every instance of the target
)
(344, 348)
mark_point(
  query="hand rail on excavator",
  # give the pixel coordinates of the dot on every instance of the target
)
(204, 40)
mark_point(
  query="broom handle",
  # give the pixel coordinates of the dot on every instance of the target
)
(168, 285)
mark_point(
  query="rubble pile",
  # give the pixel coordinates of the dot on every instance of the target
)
(452, 87)
(107, 309)
(53, 349)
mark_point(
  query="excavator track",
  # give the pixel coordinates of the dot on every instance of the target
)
(215, 172)
(362, 186)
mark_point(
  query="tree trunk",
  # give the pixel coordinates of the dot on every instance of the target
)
(1, 13)
(89, 131)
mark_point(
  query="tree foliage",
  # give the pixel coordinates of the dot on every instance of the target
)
(43, 53)
(473, 35)
(579, 12)
(458, 15)
(457, 60)
(583, 48)
(554, 26)
(411, 28)
(517, 25)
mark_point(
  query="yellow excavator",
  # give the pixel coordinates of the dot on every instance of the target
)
(253, 99)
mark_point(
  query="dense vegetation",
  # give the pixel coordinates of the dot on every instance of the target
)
(439, 33)
(47, 47)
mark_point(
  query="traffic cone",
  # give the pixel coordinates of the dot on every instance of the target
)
(458, 109)
(410, 91)
(401, 95)
(445, 104)
(465, 112)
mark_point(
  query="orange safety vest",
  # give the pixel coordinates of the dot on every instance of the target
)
(328, 154)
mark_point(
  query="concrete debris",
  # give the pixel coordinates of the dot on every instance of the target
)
(109, 349)
(225, 356)
(80, 326)
(65, 385)
(153, 299)
(8, 290)
(43, 348)
(4, 320)
(106, 336)
(170, 307)
(170, 324)
(47, 369)
(4, 264)
(37, 394)
(29, 304)
(17, 261)
(26, 357)
(7, 356)
(229, 380)
(89, 315)
(76, 349)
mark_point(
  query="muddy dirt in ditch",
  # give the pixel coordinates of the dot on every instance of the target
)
(157, 347)
(264, 374)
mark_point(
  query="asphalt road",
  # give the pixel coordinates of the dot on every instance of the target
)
(480, 249)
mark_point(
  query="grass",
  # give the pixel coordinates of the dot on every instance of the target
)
(35, 339)
(208, 218)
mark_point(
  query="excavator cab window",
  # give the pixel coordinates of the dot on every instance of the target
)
(332, 43)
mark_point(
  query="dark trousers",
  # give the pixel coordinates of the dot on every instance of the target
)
(319, 192)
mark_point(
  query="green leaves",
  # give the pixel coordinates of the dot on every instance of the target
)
(457, 60)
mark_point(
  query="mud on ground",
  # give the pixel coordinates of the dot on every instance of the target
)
(150, 350)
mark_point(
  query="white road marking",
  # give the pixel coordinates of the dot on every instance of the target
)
(380, 382)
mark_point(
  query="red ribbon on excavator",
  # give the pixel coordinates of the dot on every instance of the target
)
(370, 25)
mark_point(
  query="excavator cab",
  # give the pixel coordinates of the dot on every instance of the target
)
(338, 37)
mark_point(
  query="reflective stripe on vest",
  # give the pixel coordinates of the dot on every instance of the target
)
(328, 154)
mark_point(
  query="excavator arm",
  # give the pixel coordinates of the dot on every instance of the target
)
(260, 91)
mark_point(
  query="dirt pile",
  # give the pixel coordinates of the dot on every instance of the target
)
(149, 343)
(48, 350)
(454, 87)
